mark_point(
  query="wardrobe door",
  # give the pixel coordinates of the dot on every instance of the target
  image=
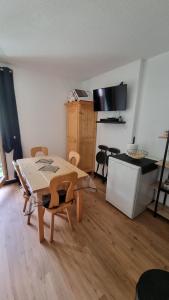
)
(87, 136)
(72, 127)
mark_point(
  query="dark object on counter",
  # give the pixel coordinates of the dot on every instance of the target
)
(134, 138)
(153, 285)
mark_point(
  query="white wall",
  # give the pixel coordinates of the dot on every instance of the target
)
(153, 116)
(40, 97)
(147, 115)
(40, 100)
(116, 135)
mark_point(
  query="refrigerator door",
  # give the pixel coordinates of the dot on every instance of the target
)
(122, 185)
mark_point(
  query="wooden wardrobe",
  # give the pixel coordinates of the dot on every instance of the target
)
(81, 132)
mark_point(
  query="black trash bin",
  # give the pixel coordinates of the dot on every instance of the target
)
(153, 285)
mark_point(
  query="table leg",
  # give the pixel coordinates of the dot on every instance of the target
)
(40, 220)
(79, 205)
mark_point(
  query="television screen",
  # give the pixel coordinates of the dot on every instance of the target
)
(110, 98)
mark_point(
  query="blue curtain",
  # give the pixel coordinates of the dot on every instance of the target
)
(9, 124)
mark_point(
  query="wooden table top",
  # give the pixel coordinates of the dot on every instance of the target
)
(39, 180)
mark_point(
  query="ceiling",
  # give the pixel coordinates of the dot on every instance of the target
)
(82, 38)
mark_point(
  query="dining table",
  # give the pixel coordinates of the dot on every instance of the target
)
(38, 181)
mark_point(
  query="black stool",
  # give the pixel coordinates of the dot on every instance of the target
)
(101, 158)
(153, 285)
(114, 152)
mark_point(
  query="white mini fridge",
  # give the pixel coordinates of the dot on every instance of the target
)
(127, 188)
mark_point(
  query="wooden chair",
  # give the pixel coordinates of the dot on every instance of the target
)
(26, 192)
(74, 158)
(60, 198)
(35, 150)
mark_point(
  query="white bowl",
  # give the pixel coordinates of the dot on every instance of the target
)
(132, 147)
(139, 154)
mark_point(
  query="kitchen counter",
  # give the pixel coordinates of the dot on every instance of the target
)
(147, 165)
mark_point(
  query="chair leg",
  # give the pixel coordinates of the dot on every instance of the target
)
(68, 217)
(29, 220)
(97, 167)
(29, 216)
(43, 211)
(25, 203)
(52, 227)
(165, 198)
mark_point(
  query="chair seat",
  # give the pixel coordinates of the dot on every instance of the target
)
(46, 198)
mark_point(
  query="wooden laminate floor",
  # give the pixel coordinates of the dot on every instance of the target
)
(102, 258)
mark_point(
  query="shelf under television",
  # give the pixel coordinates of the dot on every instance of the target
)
(110, 122)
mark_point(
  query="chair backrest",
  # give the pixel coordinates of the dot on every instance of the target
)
(74, 158)
(114, 151)
(35, 150)
(65, 182)
(21, 179)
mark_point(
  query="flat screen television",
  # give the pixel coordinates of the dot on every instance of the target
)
(110, 98)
